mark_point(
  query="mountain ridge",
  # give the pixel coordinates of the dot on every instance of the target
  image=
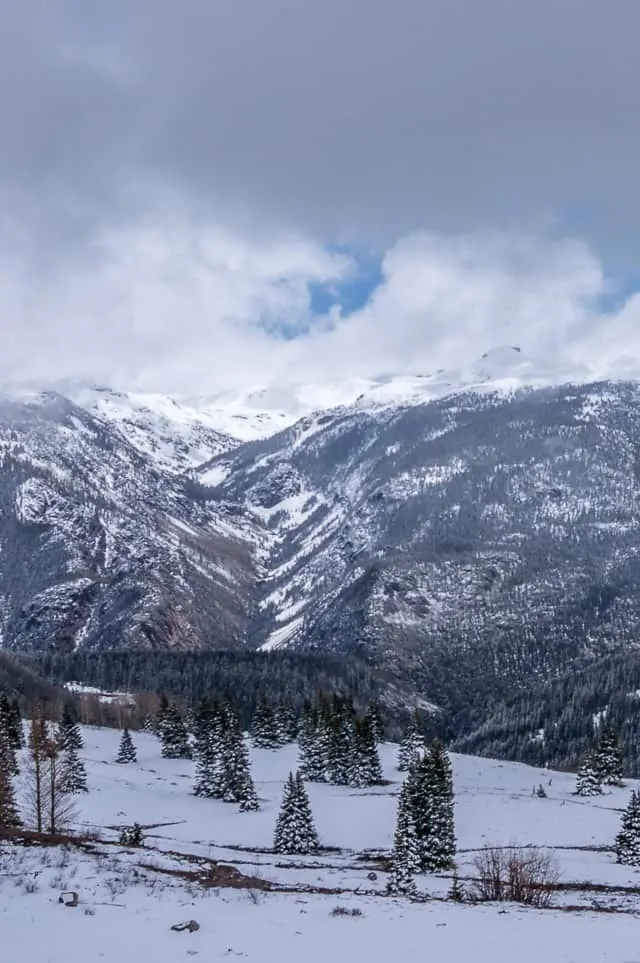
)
(464, 545)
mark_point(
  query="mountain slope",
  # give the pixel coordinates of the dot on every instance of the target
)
(478, 542)
(487, 537)
(98, 546)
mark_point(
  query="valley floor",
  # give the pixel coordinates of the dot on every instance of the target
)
(130, 898)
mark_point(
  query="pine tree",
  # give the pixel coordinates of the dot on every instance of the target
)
(127, 750)
(406, 855)
(174, 735)
(9, 816)
(628, 838)
(368, 749)
(206, 750)
(430, 788)
(161, 715)
(17, 729)
(69, 735)
(375, 714)
(287, 724)
(608, 758)
(313, 746)
(340, 748)
(440, 845)
(264, 726)
(588, 781)
(295, 832)
(237, 784)
(7, 740)
(11, 722)
(73, 775)
(412, 747)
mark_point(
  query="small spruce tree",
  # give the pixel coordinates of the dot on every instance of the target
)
(406, 854)
(264, 727)
(69, 735)
(628, 838)
(412, 747)
(72, 777)
(439, 847)
(588, 780)
(608, 757)
(313, 746)
(174, 735)
(9, 815)
(127, 750)
(295, 832)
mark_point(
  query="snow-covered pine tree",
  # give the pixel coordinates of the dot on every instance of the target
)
(340, 747)
(11, 721)
(368, 748)
(365, 769)
(287, 723)
(588, 780)
(9, 815)
(127, 750)
(628, 838)
(608, 757)
(8, 736)
(295, 832)
(406, 856)
(161, 715)
(412, 746)
(375, 714)
(264, 727)
(68, 735)
(235, 783)
(206, 749)
(313, 746)
(17, 729)
(72, 776)
(174, 735)
(439, 846)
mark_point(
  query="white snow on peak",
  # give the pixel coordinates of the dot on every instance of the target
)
(183, 431)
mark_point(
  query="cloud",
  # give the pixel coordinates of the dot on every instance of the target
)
(174, 303)
(176, 179)
(355, 119)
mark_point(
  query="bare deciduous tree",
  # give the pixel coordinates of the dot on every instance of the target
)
(50, 808)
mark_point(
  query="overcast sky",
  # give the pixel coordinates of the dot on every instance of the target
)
(204, 194)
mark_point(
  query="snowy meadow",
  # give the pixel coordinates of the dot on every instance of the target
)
(204, 860)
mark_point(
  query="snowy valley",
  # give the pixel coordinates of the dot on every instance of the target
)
(204, 860)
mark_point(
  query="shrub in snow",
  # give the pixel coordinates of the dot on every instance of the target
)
(511, 875)
(131, 835)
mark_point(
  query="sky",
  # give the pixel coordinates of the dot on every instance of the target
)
(198, 196)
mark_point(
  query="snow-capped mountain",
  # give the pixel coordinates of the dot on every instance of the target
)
(466, 532)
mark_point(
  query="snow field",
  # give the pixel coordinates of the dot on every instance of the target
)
(130, 908)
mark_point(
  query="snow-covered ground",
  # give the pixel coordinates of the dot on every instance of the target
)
(129, 899)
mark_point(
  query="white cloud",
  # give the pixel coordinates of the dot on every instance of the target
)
(176, 305)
